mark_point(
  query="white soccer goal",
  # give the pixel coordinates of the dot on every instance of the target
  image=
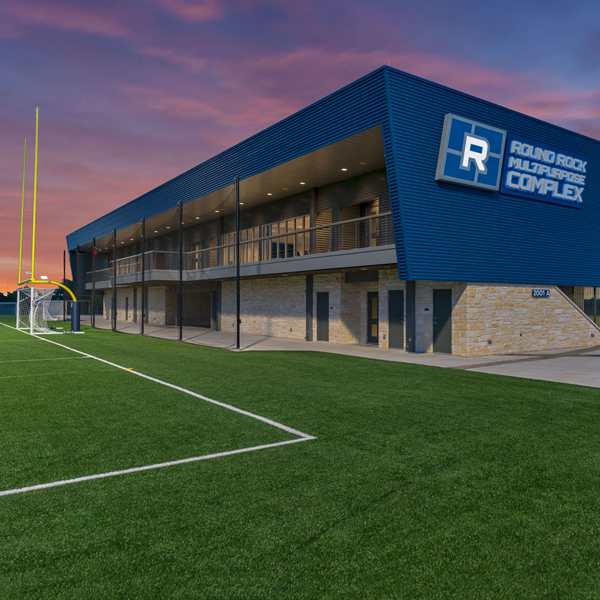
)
(33, 309)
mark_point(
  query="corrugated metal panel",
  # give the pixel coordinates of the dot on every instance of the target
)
(456, 233)
(322, 235)
(355, 191)
(352, 109)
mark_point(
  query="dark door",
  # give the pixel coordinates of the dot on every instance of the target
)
(135, 305)
(372, 318)
(396, 318)
(442, 321)
(323, 316)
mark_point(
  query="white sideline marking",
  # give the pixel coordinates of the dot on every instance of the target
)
(3, 362)
(178, 388)
(172, 463)
(302, 437)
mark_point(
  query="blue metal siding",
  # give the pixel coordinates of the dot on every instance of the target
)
(456, 233)
(356, 107)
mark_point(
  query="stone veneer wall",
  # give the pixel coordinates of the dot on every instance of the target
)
(155, 309)
(271, 306)
(506, 314)
(513, 321)
(424, 313)
(348, 308)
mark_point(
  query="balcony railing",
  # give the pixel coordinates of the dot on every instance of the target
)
(364, 232)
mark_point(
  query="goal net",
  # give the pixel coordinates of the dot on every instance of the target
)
(33, 312)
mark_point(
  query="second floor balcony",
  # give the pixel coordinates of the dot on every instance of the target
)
(361, 242)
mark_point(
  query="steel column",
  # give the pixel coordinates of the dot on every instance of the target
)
(76, 282)
(143, 274)
(180, 287)
(237, 263)
(64, 283)
(114, 286)
(93, 306)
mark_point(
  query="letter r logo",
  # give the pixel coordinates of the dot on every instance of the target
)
(471, 153)
(476, 149)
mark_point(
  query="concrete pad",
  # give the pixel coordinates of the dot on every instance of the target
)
(576, 366)
(583, 369)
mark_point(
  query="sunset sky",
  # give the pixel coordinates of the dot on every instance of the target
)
(133, 93)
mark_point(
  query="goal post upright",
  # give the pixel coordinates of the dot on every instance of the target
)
(35, 170)
(32, 280)
(22, 213)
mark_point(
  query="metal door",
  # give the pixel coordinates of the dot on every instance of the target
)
(442, 321)
(135, 305)
(396, 318)
(323, 316)
(372, 318)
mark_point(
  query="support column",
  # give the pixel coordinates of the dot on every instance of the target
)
(180, 287)
(77, 267)
(93, 306)
(114, 285)
(237, 264)
(143, 275)
(411, 341)
(64, 283)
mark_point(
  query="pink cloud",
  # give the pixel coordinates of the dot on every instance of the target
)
(229, 110)
(142, 134)
(73, 17)
(201, 10)
(173, 56)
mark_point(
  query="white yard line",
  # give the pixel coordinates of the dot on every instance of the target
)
(301, 437)
(3, 362)
(171, 463)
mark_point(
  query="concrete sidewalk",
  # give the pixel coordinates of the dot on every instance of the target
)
(578, 366)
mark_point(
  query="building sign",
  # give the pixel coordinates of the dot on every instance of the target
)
(540, 172)
(482, 156)
(540, 293)
(470, 153)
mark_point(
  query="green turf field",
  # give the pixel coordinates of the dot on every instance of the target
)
(421, 482)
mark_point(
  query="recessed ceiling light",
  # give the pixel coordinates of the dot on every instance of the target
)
(241, 203)
(168, 227)
(217, 211)
(269, 194)
(197, 218)
(363, 163)
(131, 239)
(156, 231)
(302, 183)
(122, 242)
(344, 169)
